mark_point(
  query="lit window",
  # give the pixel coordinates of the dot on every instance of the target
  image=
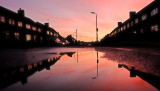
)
(48, 32)
(39, 30)
(2, 19)
(30, 67)
(144, 17)
(11, 22)
(16, 35)
(154, 28)
(51, 33)
(121, 28)
(28, 37)
(55, 34)
(154, 12)
(34, 28)
(134, 32)
(124, 27)
(20, 24)
(115, 32)
(136, 21)
(28, 26)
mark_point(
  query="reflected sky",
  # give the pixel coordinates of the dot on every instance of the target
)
(80, 71)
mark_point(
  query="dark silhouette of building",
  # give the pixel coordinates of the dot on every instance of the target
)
(141, 28)
(18, 30)
(71, 40)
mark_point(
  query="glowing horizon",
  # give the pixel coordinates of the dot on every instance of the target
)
(67, 16)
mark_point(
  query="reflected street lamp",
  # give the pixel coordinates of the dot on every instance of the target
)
(97, 67)
(96, 27)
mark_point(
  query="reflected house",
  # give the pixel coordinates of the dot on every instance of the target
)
(11, 76)
(131, 69)
(18, 30)
(142, 27)
(154, 80)
(70, 54)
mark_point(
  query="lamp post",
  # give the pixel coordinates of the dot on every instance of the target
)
(96, 27)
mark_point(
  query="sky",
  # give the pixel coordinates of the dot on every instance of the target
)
(65, 16)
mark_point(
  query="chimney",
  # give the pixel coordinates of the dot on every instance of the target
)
(132, 14)
(46, 24)
(119, 24)
(21, 12)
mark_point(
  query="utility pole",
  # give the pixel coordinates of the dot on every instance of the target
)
(76, 34)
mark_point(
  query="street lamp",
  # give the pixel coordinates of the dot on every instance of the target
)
(96, 26)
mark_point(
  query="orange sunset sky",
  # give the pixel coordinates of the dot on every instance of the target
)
(65, 16)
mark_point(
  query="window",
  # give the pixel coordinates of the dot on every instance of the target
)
(28, 26)
(55, 34)
(34, 38)
(124, 27)
(116, 31)
(154, 28)
(136, 21)
(51, 33)
(28, 37)
(121, 28)
(2, 19)
(48, 32)
(11, 22)
(154, 12)
(20, 24)
(134, 32)
(34, 28)
(16, 35)
(6, 35)
(128, 25)
(39, 30)
(144, 17)
(132, 23)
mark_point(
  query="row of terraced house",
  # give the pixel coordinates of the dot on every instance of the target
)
(141, 27)
(18, 30)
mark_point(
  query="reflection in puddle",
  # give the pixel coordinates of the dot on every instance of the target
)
(21, 73)
(151, 79)
(79, 71)
(14, 75)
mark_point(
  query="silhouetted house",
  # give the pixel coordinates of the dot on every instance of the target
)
(71, 40)
(141, 27)
(18, 30)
